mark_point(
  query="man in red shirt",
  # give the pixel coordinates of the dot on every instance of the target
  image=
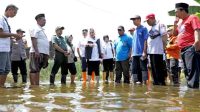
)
(188, 33)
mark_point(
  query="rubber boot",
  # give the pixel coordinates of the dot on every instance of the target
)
(63, 79)
(24, 78)
(93, 75)
(175, 80)
(15, 78)
(52, 79)
(84, 76)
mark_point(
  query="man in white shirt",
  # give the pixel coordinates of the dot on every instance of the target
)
(155, 48)
(39, 51)
(93, 54)
(5, 35)
(81, 52)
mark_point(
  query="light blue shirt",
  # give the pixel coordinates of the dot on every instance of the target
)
(122, 47)
(139, 37)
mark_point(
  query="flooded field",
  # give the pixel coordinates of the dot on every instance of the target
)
(84, 97)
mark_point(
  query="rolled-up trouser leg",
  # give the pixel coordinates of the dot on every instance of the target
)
(144, 76)
(191, 60)
(135, 68)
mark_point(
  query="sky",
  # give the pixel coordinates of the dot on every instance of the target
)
(102, 15)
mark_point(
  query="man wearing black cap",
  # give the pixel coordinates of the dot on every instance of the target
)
(122, 46)
(18, 57)
(188, 32)
(39, 51)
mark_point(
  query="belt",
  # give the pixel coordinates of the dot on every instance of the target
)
(185, 48)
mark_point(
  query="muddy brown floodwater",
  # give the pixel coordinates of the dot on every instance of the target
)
(84, 97)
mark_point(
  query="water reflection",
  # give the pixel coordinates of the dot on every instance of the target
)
(85, 97)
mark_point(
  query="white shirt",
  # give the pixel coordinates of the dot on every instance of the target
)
(71, 56)
(4, 42)
(107, 50)
(95, 52)
(81, 46)
(155, 46)
(42, 40)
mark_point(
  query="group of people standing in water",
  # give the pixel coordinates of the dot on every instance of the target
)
(159, 48)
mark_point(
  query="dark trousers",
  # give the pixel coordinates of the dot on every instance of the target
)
(108, 66)
(22, 67)
(83, 64)
(19, 64)
(60, 61)
(139, 66)
(93, 66)
(191, 61)
(122, 67)
(158, 69)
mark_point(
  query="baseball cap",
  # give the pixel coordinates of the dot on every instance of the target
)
(121, 28)
(135, 17)
(150, 16)
(20, 30)
(59, 27)
(131, 29)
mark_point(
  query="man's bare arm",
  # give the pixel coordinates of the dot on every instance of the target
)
(78, 51)
(58, 48)
(5, 35)
(197, 39)
(34, 43)
(164, 39)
